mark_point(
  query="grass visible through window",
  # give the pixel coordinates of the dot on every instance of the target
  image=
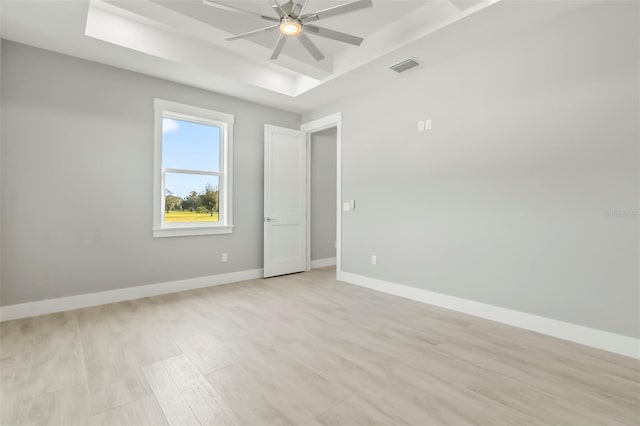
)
(188, 216)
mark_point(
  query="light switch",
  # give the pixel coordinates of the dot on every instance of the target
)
(352, 204)
(427, 124)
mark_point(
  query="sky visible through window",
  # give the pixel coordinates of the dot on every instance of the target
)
(189, 146)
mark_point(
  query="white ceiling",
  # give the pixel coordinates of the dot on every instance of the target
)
(184, 41)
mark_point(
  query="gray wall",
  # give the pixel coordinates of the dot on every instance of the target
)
(323, 194)
(506, 201)
(77, 179)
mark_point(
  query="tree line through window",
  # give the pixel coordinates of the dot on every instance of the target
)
(194, 207)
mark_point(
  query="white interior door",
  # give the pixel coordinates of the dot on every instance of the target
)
(285, 201)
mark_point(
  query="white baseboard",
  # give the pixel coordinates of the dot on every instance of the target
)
(605, 340)
(50, 306)
(321, 263)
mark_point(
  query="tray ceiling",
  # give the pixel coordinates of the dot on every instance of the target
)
(184, 41)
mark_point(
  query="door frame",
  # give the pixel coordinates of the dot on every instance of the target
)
(333, 120)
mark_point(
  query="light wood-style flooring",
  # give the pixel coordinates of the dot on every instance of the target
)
(301, 350)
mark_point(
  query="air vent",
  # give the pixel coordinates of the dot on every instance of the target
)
(405, 65)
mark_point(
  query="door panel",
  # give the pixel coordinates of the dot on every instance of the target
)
(285, 174)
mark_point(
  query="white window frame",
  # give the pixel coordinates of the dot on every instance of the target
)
(162, 109)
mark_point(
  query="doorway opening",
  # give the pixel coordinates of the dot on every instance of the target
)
(322, 152)
(326, 134)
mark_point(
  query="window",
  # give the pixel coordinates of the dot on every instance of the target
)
(193, 176)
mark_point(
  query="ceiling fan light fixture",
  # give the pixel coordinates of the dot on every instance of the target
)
(290, 26)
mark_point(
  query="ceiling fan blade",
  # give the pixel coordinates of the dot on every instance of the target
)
(334, 35)
(336, 10)
(250, 33)
(235, 9)
(308, 44)
(288, 7)
(276, 6)
(279, 46)
(298, 8)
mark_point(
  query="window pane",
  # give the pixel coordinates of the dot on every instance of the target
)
(191, 198)
(190, 146)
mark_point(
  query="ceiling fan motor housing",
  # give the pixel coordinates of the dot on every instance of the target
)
(290, 26)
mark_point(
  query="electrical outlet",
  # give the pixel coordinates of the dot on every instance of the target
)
(374, 259)
(224, 257)
(421, 126)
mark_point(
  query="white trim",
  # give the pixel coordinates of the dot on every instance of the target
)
(190, 112)
(307, 136)
(322, 123)
(600, 339)
(49, 306)
(333, 120)
(225, 122)
(190, 229)
(321, 263)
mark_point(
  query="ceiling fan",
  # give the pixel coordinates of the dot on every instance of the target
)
(292, 21)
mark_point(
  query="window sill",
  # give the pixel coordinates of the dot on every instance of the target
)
(188, 231)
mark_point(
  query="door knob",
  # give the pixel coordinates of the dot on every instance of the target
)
(268, 219)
